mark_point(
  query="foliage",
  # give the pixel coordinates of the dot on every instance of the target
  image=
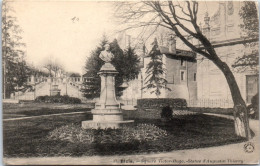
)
(155, 71)
(151, 103)
(93, 64)
(247, 62)
(125, 62)
(15, 72)
(58, 99)
(126, 134)
(72, 133)
(167, 113)
(253, 108)
(249, 15)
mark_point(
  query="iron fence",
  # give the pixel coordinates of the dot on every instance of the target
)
(207, 103)
(211, 103)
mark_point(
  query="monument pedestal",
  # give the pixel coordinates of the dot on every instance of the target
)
(107, 112)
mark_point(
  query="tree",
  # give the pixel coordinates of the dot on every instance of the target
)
(53, 67)
(93, 64)
(125, 62)
(182, 19)
(14, 70)
(249, 16)
(155, 72)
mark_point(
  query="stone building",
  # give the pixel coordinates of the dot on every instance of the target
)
(181, 73)
(223, 30)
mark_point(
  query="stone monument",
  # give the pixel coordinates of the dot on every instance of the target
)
(107, 112)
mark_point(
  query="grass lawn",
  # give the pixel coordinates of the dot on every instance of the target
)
(35, 109)
(28, 138)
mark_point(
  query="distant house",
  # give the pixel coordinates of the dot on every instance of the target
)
(181, 73)
(75, 77)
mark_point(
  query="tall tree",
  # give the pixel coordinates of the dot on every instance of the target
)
(12, 51)
(125, 62)
(249, 16)
(182, 19)
(92, 85)
(155, 71)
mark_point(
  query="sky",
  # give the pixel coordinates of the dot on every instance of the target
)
(51, 32)
(66, 31)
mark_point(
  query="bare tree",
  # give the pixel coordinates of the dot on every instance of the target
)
(48, 65)
(181, 18)
(53, 66)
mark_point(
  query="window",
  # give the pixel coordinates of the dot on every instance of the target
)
(182, 75)
(195, 77)
(182, 62)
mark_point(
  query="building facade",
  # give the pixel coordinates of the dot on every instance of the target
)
(223, 30)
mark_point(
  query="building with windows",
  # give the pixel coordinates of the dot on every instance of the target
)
(180, 73)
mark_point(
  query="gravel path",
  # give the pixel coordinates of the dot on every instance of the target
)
(30, 117)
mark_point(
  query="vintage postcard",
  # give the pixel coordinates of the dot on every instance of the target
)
(130, 82)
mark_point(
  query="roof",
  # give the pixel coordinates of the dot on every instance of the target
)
(74, 75)
(179, 53)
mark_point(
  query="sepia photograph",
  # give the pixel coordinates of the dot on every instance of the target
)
(92, 82)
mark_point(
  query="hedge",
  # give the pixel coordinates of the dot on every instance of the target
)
(58, 99)
(158, 103)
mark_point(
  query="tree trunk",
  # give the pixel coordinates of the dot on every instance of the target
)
(240, 111)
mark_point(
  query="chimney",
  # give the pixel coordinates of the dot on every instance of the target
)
(172, 45)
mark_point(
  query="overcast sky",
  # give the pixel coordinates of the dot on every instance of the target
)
(51, 32)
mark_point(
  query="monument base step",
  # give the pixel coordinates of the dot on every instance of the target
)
(89, 124)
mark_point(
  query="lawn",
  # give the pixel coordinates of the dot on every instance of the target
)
(36, 109)
(28, 138)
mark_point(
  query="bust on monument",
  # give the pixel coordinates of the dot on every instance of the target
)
(107, 57)
(107, 112)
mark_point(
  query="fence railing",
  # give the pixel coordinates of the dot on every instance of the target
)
(211, 103)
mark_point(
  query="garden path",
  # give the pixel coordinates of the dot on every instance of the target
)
(30, 117)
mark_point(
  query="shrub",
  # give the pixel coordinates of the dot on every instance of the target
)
(166, 113)
(58, 99)
(253, 108)
(155, 103)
